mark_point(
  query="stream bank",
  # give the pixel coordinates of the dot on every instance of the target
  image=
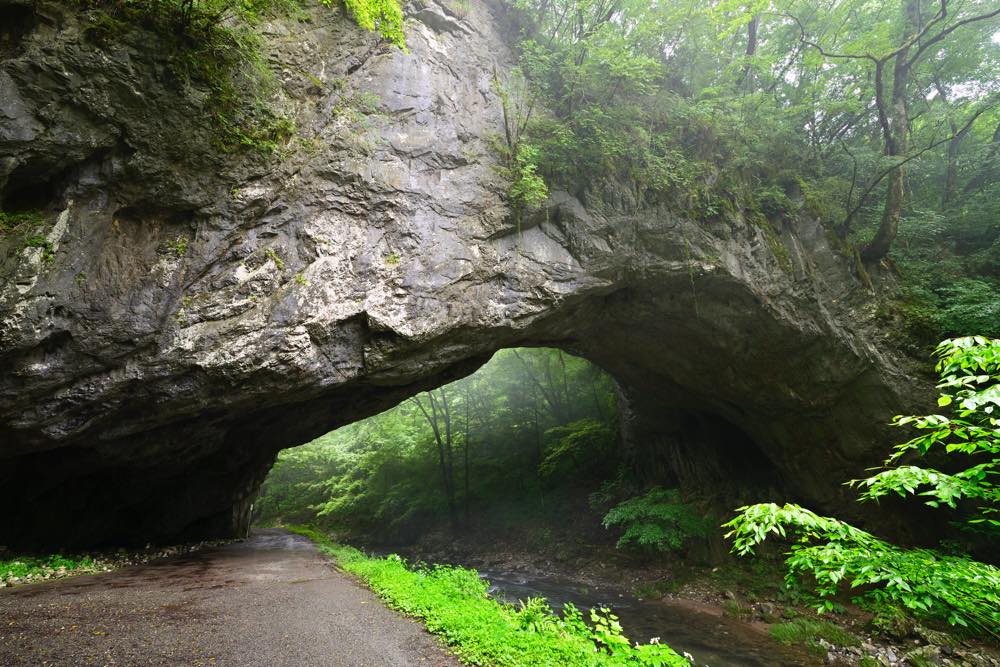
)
(723, 616)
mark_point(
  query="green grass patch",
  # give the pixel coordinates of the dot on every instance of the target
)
(454, 604)
(10, 222)
(24, 569)
(44, 567)
(809, 631)
(27, 226)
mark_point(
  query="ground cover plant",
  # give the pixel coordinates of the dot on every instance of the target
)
(454, 604)
(30, 568)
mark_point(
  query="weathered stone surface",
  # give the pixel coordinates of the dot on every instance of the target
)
(204, 310)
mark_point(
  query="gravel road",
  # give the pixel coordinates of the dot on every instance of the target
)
(270, 600)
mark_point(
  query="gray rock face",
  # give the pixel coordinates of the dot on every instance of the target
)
(200, 311)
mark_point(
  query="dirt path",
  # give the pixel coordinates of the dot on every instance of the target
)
(271, 600)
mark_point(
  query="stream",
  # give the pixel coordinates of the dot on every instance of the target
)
(713, 640)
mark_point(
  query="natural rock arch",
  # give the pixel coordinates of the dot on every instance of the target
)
(202, 312)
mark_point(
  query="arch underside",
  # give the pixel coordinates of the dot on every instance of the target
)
(723, 398)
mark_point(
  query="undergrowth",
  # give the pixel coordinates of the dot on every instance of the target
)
(12, 222)
(658, 520)
(453, 603)
(832, 555)
(29, 568)
(809, 631)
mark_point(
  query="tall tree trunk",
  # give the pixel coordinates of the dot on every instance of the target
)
(567, 403)
(547, 390)
(444, 456)
(465, 454)
(895, 123)
(450, 449)
(951, 170)
(746, 77)
(597, 398)
(957, 134)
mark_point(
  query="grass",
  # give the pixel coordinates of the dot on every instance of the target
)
(809, 631)
(738, 610)
(10, 222)
(31, 568)
(453, 603)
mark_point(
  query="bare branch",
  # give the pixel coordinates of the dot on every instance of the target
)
(931, 146)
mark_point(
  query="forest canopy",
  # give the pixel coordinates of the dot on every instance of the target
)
(881, 120)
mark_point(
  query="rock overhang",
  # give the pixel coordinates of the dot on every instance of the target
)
(202, 311)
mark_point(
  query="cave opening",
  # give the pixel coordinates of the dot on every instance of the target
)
(535, 442)
(16, 23)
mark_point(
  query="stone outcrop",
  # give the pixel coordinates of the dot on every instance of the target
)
(192, 312)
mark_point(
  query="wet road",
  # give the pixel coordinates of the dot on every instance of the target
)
(271, 600)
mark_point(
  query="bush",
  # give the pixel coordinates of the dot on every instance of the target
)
(657, 521)
(953, 588)
(969, 305)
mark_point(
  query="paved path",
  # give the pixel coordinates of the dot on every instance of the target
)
(272, 600)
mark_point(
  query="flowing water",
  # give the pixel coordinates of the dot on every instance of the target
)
(712, 639)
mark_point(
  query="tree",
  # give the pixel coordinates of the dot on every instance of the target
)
(439, 419)
(919, 38)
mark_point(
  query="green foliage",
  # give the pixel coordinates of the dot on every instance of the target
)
(658, 521)
(969, 369)
(40, 567)
(12, 222)
(809, 631)
(453, 603)
(527, 189)
(970, 304)
(519, 158)
(27, 228)
(179, 246)
(216, 45)
(530, 424)
(273, 255)
(579, 448)
(213, 46)
(646, 104)
(832, 553)
(383, 16)
(953, 588)
(44, 244)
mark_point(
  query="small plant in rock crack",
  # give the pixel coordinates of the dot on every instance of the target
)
(39, 241)
(273, 255)
(179, 246)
